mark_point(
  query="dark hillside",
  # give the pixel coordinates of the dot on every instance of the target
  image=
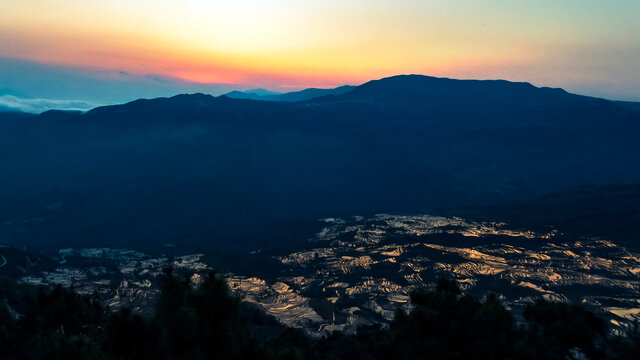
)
(197, 168)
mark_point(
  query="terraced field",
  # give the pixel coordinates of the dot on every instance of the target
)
(359, 271)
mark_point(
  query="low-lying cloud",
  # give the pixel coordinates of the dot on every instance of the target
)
(36, 106)
(31, 80)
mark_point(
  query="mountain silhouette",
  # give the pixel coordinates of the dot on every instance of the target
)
(201, 169)
(254, 94)
(306, 94)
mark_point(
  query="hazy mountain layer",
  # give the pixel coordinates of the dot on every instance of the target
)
(306, 94)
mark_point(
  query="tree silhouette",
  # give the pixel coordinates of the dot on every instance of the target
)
(206, 322)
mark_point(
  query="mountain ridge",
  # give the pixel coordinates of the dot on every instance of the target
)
(302, 95)
(206, 169)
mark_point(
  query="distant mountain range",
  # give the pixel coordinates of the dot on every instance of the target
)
(307, 94)
(199, 169)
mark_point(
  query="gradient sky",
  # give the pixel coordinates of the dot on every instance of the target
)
(585, 46)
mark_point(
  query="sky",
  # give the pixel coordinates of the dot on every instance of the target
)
(147, 48)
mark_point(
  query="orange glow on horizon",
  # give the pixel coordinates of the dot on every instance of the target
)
(292, 44)
(296, 69)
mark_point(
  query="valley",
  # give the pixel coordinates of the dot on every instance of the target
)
(360, 270)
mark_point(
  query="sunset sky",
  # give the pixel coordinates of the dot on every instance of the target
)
(586, 46)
